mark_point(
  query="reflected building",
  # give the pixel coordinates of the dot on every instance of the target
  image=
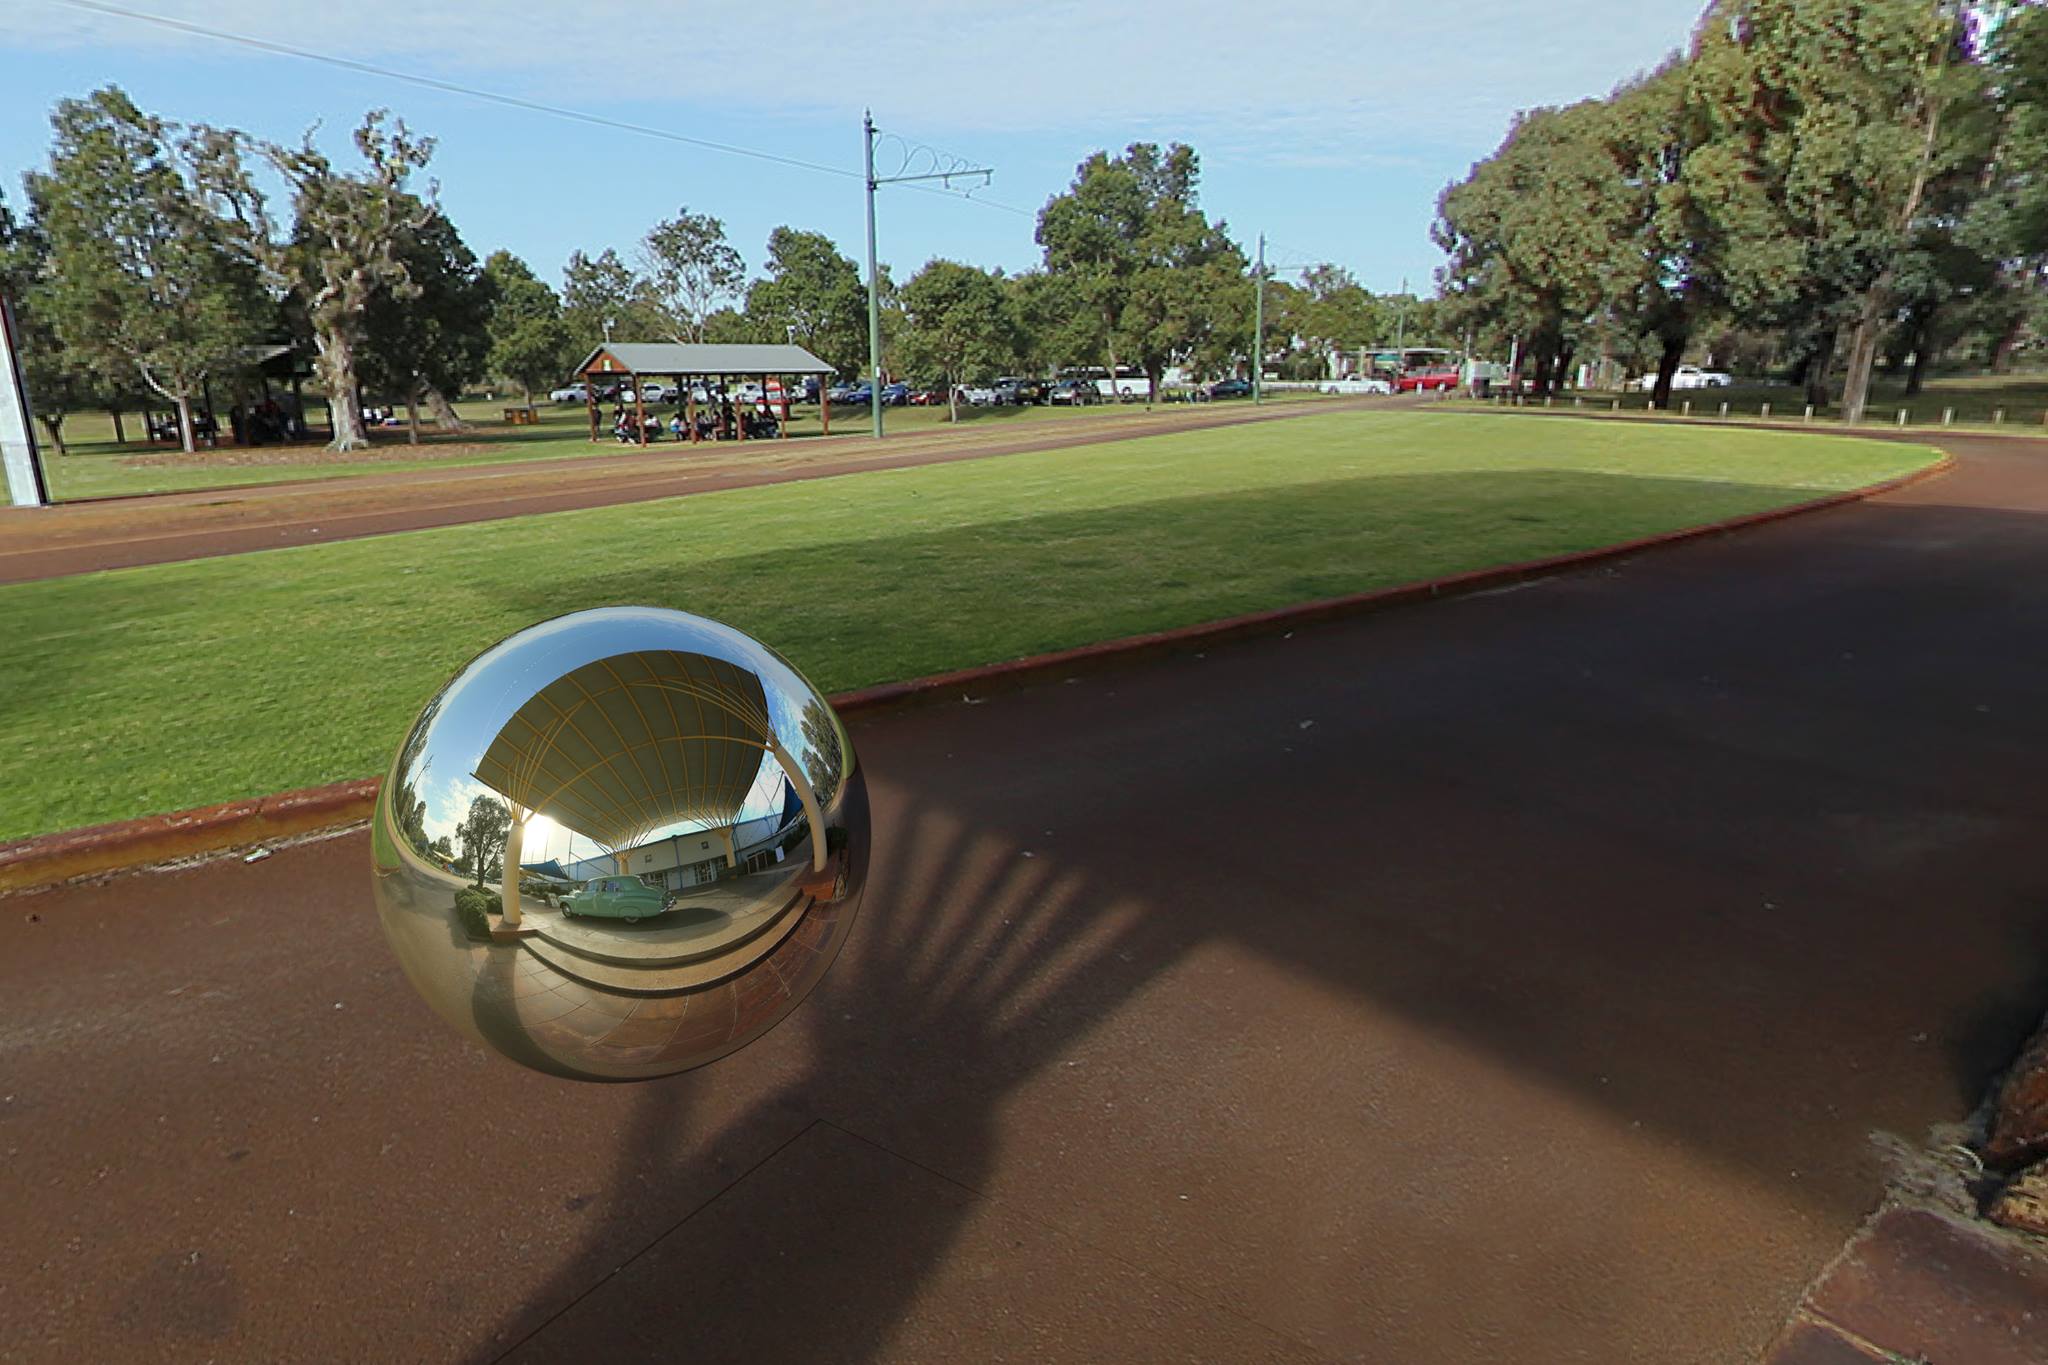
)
(695, 791)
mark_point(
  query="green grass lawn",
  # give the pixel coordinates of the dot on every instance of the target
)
(2010, 403)
(98, 466)
(154, 689)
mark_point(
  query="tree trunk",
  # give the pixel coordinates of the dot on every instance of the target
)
(1923, 353)
(952, 398)
(55, 426)
(344, 404)
(185, 424)
(1863, 350)
(120, 435)
(412, 418)
(2008, 342)
(445, 416)
(1816, 377)
(526, 393)
(1667, 367)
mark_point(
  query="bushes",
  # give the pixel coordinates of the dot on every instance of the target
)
(474, 906)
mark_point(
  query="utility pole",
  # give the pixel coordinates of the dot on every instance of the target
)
(1259, 325)
(1401, 319)
(962, 169)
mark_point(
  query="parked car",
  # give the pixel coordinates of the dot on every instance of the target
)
(626, 898)
(1231, 388)
(1430, 377)
(895, 395)
(928, 398)
(1689, 377)
(570, 393)
(1073, 393)
(1018, 391)
(978, 395)
(1353, 384)
(653, 391)
(860, 396)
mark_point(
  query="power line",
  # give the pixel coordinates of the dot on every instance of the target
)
(451, 87)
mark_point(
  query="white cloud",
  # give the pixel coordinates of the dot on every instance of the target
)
(1326, 84)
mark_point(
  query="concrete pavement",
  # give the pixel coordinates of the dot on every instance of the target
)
(1514, 978)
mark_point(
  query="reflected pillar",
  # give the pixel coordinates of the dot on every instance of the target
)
(805, 795)
(732, 857)
(508, 880)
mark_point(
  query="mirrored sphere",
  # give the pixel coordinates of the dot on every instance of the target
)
(621, 844)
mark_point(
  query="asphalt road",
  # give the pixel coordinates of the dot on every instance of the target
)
(1515, 978)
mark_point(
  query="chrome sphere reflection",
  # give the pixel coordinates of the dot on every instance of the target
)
(620, 844)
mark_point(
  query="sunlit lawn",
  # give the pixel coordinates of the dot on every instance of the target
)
(2010, 403)
(160, 688)
(98, 467)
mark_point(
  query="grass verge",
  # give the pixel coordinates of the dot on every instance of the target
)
(154, 689)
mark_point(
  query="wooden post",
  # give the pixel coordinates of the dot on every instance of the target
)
(825, 404)
(690, 411)
(590, 401)
(739, 419)
(640, 407)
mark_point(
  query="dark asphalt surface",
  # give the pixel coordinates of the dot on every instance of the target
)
(1515, 978)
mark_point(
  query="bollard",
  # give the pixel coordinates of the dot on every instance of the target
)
(1724, 407)
(1809, 413)
(1546, 400)
(1577, 401)
(1615, 406)
(1948, 417)
(1766, 412)
(1997, 416)
(1688, 409)
(1902, 417)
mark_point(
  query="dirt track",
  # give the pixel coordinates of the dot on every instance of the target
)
(117, 533)
(1515, 978)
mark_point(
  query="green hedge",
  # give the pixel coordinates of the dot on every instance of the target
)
(474, 906)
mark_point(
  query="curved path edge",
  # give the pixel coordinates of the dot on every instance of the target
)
(68, 855)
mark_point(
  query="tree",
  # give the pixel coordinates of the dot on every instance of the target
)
(602, 295)
(812, 295)
(345, 249)
(959, 325)
(1161, 281)
(2008, 221)
(691, 269)
(1541, 237)
(436, 339)
(58, 380)
(482, 833)
(1831, 128)
(529, 342)
(140, 276)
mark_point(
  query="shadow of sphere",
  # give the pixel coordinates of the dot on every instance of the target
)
(620, 844)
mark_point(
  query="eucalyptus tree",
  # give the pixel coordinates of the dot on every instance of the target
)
(1831, 129)
(691, 270)
(436, 339)
(1161, 281)
(349, 232)
(141, 278)
(1541, 235)
(812, 294)
(529, 342)
(959, 324)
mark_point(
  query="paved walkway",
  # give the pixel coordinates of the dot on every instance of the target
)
(1515, 978)
(50, 542)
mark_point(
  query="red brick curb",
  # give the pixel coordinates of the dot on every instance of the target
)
(52, 858)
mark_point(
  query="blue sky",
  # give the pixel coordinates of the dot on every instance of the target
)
(1331, 128)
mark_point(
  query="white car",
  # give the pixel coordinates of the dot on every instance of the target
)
(1689, 377)
(573, 393)
(978, 395)
(1356, 384)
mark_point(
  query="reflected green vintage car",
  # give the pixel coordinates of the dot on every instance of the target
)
(626, 898)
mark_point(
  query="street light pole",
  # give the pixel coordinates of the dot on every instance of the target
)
(1259, 326)
(867, 125)
(874, 182)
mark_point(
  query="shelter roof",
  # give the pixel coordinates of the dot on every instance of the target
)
(630, 744)
(674, 357)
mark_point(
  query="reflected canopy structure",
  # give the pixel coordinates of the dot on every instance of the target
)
(723, 791)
